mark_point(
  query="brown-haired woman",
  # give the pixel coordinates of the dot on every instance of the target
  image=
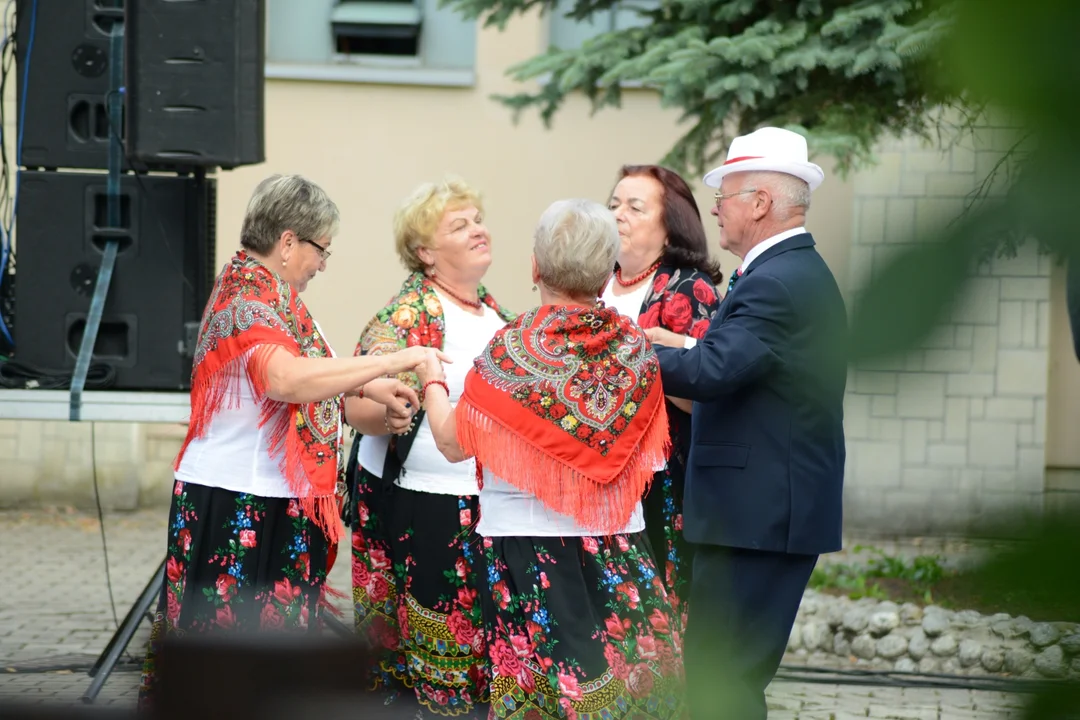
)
(664, 278)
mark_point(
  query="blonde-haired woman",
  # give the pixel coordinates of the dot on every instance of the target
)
(414, 588)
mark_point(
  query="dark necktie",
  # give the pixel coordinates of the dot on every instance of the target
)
(734, 276)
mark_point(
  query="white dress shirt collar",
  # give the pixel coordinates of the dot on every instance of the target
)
(761, 247)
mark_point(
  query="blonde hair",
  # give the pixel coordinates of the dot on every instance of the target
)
(575, 245)
(287, 202)
(416, 221)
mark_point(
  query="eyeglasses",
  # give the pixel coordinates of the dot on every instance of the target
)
(323, 252)
(721, 197)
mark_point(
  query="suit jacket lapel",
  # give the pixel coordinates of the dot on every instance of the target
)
(798, 242)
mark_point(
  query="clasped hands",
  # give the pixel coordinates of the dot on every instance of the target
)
(400, 400)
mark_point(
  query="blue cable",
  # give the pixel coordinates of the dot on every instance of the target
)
(5, 240)
(22, 110)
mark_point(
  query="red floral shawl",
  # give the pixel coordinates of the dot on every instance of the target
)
(566, 404)
(253, 310)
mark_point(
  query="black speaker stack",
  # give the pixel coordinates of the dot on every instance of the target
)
(192, 103)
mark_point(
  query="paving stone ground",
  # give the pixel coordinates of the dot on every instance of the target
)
(55, 611)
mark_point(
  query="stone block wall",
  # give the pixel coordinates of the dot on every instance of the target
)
(954, 430)
(54, 463)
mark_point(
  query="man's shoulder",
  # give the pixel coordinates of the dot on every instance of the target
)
(800, 273)
(800, 259)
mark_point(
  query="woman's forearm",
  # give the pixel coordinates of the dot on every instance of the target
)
(301, 380)
(366, 416)
(440, 417)
(682, 403)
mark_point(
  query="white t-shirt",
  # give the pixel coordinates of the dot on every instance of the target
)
(465, 337)
(629, 304)
(235, 452)
(506, 511)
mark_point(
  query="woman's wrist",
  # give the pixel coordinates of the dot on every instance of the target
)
(388, 366)
(381, 364)
(433, 383)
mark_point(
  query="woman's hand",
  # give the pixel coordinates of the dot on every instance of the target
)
(397, 424)
(431, 368)
(400, 399)
(411, 358)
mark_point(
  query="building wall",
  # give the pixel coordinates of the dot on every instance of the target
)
(369, 143)
(955, 430)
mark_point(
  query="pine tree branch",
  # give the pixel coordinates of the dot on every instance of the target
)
(845, 72)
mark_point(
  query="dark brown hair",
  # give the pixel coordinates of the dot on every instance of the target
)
(687, 246)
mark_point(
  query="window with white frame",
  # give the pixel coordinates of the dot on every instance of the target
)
(342, 38)
(567, 33)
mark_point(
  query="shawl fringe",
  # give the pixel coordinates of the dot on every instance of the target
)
(603, 507)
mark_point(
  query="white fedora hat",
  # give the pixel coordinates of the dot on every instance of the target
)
(769, 148)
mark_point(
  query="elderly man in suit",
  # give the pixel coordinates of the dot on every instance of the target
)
(765, 471)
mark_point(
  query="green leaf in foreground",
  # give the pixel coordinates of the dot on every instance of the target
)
(1042, 560)
(911, 295)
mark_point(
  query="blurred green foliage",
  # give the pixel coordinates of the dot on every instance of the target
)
(1024, 60)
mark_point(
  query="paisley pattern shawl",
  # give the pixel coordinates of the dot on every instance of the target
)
(682, 300)
(251, 312)
(413, 317)
(567, 405)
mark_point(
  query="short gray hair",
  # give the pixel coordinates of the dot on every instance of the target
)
(575, 244)
(287, 202)
(788, 192)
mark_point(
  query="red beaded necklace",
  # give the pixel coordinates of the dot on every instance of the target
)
(474, 304)
(637, 278)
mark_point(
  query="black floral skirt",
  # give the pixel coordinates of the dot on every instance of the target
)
(580, 627)
(236, 561)
(663, 507)
(415, 596)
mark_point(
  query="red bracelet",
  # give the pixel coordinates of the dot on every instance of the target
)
(423, 390)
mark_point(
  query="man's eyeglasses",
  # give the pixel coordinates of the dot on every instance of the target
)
(323, 252)
(721, 197)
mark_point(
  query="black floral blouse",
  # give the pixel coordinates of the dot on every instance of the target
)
(682, 300)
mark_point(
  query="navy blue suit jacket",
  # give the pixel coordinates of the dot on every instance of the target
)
(766, 463)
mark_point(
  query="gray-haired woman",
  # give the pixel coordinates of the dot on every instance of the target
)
(564, 413)
(254, 516)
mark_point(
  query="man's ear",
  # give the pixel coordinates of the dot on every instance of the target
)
(763, 203)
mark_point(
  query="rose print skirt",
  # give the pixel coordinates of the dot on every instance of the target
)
(235, 561)
(580, 627)
(415, 595)
(663, 508)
